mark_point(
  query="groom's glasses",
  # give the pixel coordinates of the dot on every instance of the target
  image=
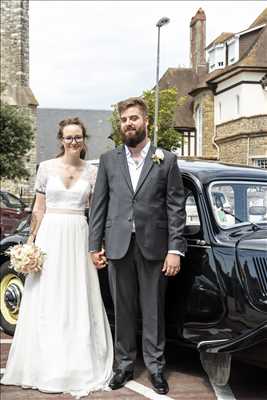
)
(70, 139)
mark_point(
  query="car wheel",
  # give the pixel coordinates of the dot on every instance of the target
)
(11, 289)
(217, 366)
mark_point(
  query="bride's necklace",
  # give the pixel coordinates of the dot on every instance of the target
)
(69, 175)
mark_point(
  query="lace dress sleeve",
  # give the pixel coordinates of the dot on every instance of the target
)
(41, 178)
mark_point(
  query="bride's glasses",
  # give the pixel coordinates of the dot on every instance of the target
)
(70, 139)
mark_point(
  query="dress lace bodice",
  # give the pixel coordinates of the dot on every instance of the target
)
(50, 182)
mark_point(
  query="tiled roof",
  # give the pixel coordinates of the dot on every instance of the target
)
(96, 121)
(220, 39)
(261, 19)
(184, 80)
(255, 55)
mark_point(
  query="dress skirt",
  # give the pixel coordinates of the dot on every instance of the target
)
(62, 341)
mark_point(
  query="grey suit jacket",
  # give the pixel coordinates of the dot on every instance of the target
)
(157, 207)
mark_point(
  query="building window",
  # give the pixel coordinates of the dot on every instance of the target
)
(188, 144)
(220, 56)
(220, 111)
(211, 59)
(199, 131)
(233, 50)
(216, 57)
(237, 104)
(260, 162)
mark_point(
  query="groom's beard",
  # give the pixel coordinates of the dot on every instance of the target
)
(135, 138)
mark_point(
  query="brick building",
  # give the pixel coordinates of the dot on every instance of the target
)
(225, 112)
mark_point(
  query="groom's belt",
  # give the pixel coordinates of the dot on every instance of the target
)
(64, 211)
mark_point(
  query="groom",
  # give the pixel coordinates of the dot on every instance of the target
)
(138, 209)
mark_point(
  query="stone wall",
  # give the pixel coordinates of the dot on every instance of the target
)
(242, 140)
(256, 124)
(15, 42)
(234, 151)
(257, 147)
(15, 78)
(206, 102)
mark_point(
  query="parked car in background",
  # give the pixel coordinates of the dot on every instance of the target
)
(12, 210)
(217, 304)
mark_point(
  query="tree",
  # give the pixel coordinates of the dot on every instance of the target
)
(168, 136)
(16, 139)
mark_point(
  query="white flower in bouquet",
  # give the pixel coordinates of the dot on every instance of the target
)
(26, 258)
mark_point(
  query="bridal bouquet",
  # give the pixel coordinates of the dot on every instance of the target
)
(26, 258)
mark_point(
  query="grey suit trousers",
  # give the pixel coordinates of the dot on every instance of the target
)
(134, 279)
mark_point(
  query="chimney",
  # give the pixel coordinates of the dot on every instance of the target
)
(198, 39)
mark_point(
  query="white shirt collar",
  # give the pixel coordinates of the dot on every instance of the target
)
(143, 153)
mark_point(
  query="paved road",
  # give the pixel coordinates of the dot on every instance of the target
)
(185, 375)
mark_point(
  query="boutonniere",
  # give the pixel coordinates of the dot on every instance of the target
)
(158, 156)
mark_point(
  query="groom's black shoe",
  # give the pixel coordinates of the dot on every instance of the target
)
(159, 383)
(120, 378)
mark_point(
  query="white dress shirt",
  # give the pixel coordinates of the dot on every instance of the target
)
(135, 169)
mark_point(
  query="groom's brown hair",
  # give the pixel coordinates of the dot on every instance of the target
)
(133, 102)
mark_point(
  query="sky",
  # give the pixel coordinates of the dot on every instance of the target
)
(92, 54)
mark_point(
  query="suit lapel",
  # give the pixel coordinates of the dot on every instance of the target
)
(124, 167)
(148, 164)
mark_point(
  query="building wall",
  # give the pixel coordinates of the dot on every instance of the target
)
(241, 118)
(257, 148)
(15, 42)
(243, 140)
(252, 98)
(205, 100)
(234, 151)
(15, 77)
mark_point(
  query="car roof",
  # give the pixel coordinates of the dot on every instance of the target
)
(209, 171)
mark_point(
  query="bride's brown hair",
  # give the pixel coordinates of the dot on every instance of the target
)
(71, 121)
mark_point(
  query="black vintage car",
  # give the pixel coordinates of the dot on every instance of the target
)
(217, 304)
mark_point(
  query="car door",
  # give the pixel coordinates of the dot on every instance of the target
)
(193, 297)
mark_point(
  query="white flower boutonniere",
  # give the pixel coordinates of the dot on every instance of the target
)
(158, 156)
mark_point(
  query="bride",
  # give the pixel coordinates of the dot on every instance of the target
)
(62, 341)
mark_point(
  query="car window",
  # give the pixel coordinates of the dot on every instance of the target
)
(13, 201)
(237, 202)
(257, 203)
(192, 216)
(2, 203)
(23, 225)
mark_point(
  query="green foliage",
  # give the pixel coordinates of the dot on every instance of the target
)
(16, 139)
(168, 136)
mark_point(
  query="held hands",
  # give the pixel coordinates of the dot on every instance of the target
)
(171, 265)
(99, 259)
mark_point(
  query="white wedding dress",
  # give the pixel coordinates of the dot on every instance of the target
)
(62, 341)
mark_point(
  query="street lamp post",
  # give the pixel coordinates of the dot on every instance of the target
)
(163, 21)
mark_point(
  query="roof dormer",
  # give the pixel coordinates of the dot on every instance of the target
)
(233, 50)
(216, 56)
